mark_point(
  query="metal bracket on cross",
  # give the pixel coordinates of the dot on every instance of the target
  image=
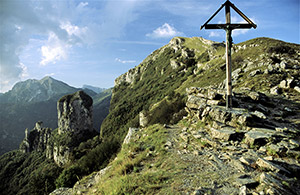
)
(228, 27)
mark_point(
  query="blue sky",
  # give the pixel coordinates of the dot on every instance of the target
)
(93, 42)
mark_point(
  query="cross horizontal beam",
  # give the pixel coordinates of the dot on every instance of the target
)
(227, 26)
(227, 6)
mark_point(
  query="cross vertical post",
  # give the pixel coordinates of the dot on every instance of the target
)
(228, 27)
(228, 58)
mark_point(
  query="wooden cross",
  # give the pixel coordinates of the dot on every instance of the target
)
(228, 27)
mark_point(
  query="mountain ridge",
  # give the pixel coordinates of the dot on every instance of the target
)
(33, 90)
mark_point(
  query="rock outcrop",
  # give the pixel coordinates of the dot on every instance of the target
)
(75, 124)
(37, 139)
(253, 138)
(186, 58)
(75, 113)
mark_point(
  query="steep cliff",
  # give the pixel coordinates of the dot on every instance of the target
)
(75, 125)
(75, 113)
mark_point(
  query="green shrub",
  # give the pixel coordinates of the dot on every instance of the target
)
(68, 177)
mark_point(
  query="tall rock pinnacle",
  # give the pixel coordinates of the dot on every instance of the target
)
(75, 113)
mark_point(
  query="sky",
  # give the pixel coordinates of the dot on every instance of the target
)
(95, 41)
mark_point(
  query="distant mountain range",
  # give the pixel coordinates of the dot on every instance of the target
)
(33, 100)
(33, 90)
(95, 89)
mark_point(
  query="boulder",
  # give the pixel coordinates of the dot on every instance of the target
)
(130, 134)
(174, 64)
(225, 134)
(275, 90)
(195, 102)
(259, 114)
(143, 119)
(269, 166)
(248, 160)
(255, 72)
(248, 182)
(236, 74)
(297, 89)
(219, 114)
(256, 138)
(286, 84)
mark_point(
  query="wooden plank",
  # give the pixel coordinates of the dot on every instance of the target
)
(242, 15)
(212, 17)
(228, 26)
(227, 13)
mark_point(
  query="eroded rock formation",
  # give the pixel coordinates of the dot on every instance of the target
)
(37, 139)
(75, 124)
(75, 113)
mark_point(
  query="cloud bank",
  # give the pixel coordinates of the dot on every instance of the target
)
(164, 31)
(125, 61)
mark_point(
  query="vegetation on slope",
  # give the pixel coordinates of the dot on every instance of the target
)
(203, 67)
(29, 173)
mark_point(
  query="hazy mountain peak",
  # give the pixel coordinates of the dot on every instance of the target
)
(33, 90)
(93, 88)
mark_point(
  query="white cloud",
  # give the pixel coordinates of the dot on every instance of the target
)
(215, 34)
(49, 74)
(83, 4)
(54, 50)
(164, 31)
(125, 61)
(73, 29)
(239, 20)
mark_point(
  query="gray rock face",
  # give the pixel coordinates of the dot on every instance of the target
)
(130, 134)
(75, 120)
(61, 155)
(75, 124)
(128, 77)
(144, 119)
(75, 113)
(36, 140)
